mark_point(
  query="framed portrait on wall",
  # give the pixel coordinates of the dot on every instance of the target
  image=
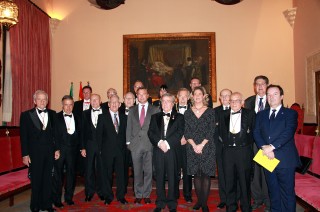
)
(172, 59)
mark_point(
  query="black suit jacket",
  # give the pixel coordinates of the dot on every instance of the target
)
(246, 131)
(78, 108)
(174, 133)
(217, 112)
(250, 103)
(111, 142)
(88, 136)
(61, 131)
(30, 129)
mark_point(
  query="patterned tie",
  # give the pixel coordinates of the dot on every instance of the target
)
(260, 107)
(273, 115)
(116, 123)
(142, 115)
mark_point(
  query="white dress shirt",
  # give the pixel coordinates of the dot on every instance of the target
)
(235, 122)
(145, 109)
(86, 104)
(70, 123)
(94, 116)
(43, 118)
(264, 101)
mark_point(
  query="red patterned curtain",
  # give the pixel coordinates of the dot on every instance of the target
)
(30, 57)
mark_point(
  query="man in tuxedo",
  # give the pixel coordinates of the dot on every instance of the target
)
(138, 84)
(84, 104)
(79, 107)
(181, 107)
(111, 136)
(91, 150)
(128, 102)
(274, 134)
(110, 93)
(38, 149)
(258, 103)
(139, 144)
(224, 98)
(165, 132)
(195, 82)
(235, 133)
(67, 137)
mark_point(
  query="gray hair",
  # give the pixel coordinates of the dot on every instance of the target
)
(170, 96)
(39, 92)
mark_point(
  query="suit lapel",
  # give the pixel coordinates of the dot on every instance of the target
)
(171, 122)
(35, 119)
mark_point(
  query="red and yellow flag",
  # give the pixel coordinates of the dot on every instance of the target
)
(80, 92)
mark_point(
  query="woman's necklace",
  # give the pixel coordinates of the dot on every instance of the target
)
(198, 109)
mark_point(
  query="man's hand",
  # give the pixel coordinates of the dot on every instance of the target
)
(271, 155)
(267, 149)
(26, 160)
(183, 141)
(83, 153)
(163, 146)
(57, 154)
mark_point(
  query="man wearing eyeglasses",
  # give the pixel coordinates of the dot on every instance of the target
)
(235, 133)
(258, 103)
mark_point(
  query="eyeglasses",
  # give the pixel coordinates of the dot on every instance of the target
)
(261, 84)
(235, 101)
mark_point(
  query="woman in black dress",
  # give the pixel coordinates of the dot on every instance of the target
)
(199, 132)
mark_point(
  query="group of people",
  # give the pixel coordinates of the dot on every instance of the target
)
(164, 140)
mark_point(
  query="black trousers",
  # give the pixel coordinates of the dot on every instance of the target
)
(165, 167)
(109, 163)
(237, 168)
(68, 156)
(93, 171)
(41, 166)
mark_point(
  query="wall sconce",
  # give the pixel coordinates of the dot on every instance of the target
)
(54, 22)
(290, 15)
(8, 13)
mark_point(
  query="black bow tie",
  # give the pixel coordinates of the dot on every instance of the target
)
(127, 110)
(40, 111)
(185, 107)
(97, 110)
(236, 112)
(68, 115)
(166, 114)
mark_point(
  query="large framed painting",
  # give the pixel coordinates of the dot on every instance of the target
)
(172, 59)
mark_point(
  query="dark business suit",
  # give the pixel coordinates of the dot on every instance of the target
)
(182, 165)
(259, 187)
(93, 159)
(237, 157)
(80, 162)
(280, 133)
(166, 164)
(219, 147)
(113, 146)
(39, 144)
(68, 144)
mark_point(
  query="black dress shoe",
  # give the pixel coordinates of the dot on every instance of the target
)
(147, 200)
(173, 210)
(205, 209)
(157, 209)
(137, 200)
(107, 201)
(123, 201)
(50, 209)
(221, 205)
(58, 205)
(101, 197)
(256, 205)
(188, 199)
(197, 206)
(88, 198)
(70, 202)
(35, 210)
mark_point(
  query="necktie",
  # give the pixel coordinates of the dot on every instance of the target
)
(166, 114)
(116, 123)
(236, 112)
(260, 106)
(273, 115)
(97, 110)
(40, 111)
(66, 115)
(127, 110)
(226, 108)
(142, 115)
(185, 107)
